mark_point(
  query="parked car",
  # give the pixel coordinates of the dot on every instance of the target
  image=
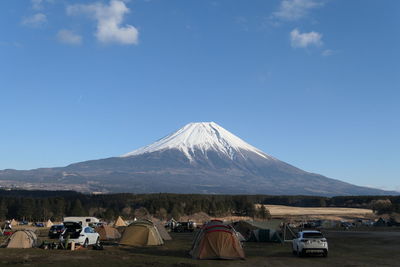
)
(346, 225)
(39, 224)
(84, 236)
(184, 227)
(56, 230)
(310, 242)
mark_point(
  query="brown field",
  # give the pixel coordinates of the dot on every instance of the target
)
(347, 248)
(319, 213)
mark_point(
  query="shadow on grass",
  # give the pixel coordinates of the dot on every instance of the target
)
(157, 251)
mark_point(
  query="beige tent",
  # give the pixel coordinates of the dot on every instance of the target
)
(141, 233)
(163, 233)
(107, 232)
(217, 240)
(119, 222)
(13, 223)
(22, 239)
(49, 223)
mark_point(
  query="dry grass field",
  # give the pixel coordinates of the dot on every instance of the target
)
(347, 248)
(319, 213)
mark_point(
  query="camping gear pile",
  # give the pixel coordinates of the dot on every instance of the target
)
(217, 240)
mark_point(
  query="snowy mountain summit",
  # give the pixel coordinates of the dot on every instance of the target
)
(201, 137)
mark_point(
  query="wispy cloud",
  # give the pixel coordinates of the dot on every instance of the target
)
(109, 19)
(69, 37)
(306, 39)
(38, 4)
(295, 9)
(327, 52)
(36, 20)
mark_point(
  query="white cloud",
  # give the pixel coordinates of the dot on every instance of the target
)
(35, 20)
(69, 37)
(306, 39)
(295, 9)
(109, 19)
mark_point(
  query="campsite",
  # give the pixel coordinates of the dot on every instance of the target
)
(253, 243)
(349, 248)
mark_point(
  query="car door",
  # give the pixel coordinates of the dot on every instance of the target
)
(88, 235)
(94, 235)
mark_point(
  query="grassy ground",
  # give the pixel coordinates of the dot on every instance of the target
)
(347, 248)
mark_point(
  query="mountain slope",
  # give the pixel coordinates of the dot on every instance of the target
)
(198, 158)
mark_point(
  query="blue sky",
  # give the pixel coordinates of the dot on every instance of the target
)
(313, 83)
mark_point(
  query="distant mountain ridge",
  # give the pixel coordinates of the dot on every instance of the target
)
(198, 158)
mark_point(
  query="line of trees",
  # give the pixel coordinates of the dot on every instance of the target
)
(42, 205)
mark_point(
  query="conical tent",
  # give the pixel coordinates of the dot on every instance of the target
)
(141, 233)
(22, 239)
(107, 232)
(217, 240)
(119, 222)
(13, 222)
(49, 223)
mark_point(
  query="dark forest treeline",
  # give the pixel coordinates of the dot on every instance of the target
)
(42, 205)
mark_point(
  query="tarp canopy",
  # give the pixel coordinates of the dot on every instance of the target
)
(22, 239)
(217, 240)
(141, 233)
(119, 222)
(107, 232)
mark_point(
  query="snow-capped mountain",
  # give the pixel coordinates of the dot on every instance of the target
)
(201, 137)
(201, 157)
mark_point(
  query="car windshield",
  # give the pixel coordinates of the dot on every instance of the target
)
(312, 235)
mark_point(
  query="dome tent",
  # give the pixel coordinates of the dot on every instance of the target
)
(141, 233)
(217, 240)
(22, 239)
(107, 232)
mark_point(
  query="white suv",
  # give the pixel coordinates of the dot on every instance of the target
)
(84, 236)
(310, 242)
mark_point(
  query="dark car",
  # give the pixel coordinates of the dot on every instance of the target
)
(184, 227)
(56, 230)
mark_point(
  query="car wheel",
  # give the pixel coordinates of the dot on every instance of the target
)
(300, 253)
(98, 242)
(86, 243)
(325, 253)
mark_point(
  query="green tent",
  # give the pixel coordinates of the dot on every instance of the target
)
(267, 231)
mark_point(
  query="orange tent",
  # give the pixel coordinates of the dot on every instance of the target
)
(217, 240)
